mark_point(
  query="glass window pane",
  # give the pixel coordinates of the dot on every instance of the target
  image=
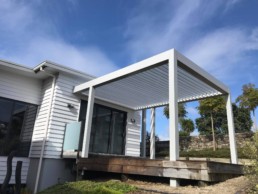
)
(27, 129)
(101, 129)
(93, 127)
(82, 117)
(6, 107)
(16, 126)
(118, 129)
(107, 131)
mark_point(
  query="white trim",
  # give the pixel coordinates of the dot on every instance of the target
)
(147, 63)
(15, 66)
(173, 109)
(173, 113)
(88, 122)
(231, 131)
(63, 69)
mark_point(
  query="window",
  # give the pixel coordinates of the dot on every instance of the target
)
(108, 129)
(16, 126)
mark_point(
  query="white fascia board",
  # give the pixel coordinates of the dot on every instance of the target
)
(151, 106)
(64, 69)
(182, 100)
(223, 88)
(147, 63)
(191, 99)
(15, 66)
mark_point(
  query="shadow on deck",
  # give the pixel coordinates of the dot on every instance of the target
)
(207, 171)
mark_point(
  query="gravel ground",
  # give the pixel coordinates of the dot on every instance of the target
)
(237, 185)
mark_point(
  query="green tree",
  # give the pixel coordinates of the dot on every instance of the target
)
(181, 111)
(242, 121)
(249, 99)
(211, 107)
(187, 126)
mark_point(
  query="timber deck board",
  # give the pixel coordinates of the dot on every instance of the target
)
(194, 170)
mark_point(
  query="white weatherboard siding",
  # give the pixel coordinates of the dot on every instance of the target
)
(133, 134)
(18, 87)
(24, 171)
(41, 119)
(61, 114)
(59, 117)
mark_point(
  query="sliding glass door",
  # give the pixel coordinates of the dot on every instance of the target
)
(108, 129)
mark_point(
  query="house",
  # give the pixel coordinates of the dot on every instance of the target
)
(42, 112)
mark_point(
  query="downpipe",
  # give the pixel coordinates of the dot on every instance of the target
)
(46, 128)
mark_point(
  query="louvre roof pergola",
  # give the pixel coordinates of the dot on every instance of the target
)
(145, 84)
(167, 78)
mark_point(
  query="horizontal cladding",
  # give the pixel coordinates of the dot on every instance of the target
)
(133, 130)
(24, 171)
(41, 119)
(18, 87)
(61, 114)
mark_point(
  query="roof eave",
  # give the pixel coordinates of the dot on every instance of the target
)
(59, 67)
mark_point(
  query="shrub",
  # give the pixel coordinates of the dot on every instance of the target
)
(250, 150)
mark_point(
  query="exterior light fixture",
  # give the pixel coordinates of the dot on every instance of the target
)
(70, 105)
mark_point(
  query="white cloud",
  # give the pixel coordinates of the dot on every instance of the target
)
(29, 39)
(175, 26)
(87, 59)
(184, 27)
(15, 16)
(224, 51)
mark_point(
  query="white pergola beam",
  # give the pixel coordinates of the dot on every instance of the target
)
(152, 134)
(147, 63)
(231, 131)
(88, 122)
(173, 113)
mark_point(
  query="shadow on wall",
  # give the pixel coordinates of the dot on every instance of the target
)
(54, 169)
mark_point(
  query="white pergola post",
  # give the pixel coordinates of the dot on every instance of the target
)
(88, 122)
(231, 131)
(173, 113)
(143, 133)
(152, 135)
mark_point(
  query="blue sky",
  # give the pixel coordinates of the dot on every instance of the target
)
(100, 36)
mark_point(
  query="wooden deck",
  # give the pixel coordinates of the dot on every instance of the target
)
(184, 169)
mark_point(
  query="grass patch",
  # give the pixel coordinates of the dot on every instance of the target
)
(207, 153)
(90, 187)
